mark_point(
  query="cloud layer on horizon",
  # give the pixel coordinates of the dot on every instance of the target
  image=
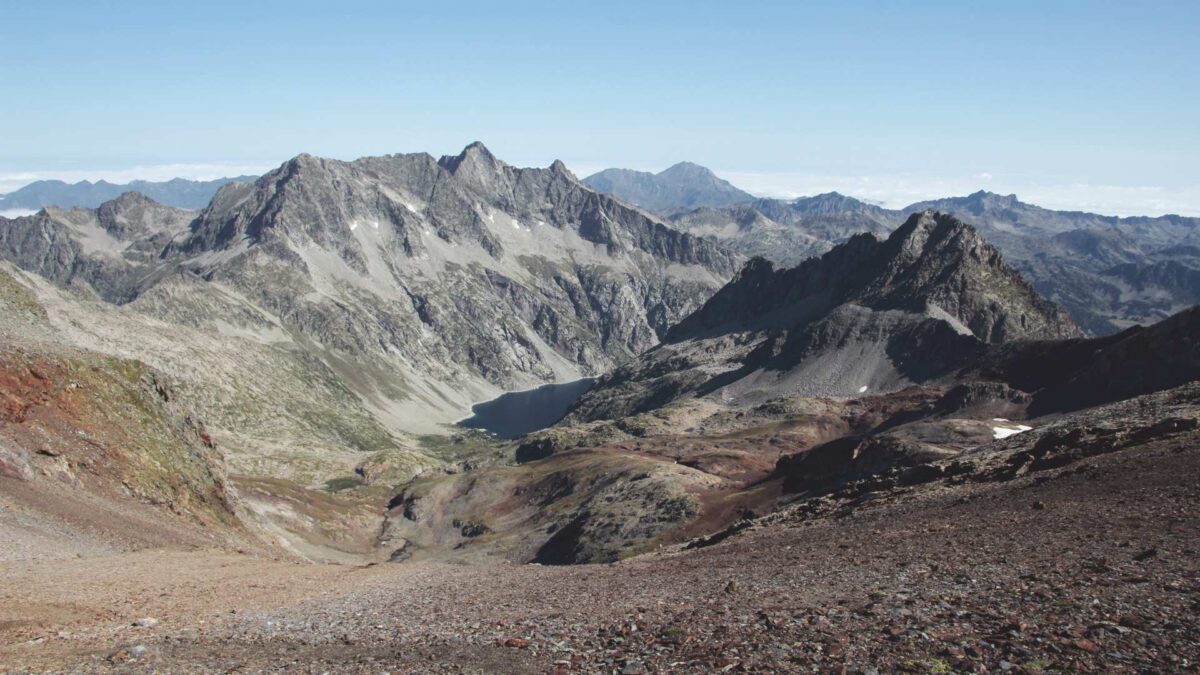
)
(899, 190)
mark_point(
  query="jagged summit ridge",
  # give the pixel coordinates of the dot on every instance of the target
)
(474, 157)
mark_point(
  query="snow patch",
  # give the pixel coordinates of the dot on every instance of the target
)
(1004, 432)
(862, 389)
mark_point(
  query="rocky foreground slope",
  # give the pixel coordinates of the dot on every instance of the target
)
(97, 453)
(1050, 551)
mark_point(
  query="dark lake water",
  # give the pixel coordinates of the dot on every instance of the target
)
(517, 413)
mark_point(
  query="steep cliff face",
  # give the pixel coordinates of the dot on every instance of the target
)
(869, 315)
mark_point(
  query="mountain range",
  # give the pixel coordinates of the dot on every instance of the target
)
(377, 299)
(178, 192)
(879, 446)
(1108, 272)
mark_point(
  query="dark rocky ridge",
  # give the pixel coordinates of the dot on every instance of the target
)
(932, 259)
(869, 314)
(1069, 375)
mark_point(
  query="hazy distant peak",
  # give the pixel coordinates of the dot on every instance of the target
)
(687, 169)
(683, 186)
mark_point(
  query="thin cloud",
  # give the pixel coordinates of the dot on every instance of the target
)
(899, 190)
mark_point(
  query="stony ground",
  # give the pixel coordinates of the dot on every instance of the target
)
(1091, 568)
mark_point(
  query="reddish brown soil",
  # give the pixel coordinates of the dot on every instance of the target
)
(1088, 568)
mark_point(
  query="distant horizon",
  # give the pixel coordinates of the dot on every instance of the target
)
(895, 191)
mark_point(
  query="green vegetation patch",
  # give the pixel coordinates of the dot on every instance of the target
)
(343, 483)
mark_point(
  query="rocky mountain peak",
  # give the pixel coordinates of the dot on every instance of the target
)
(985, 199)
(300, 164)
(934, 264)
(126, 201)
(688, 170)
(869, 315)
(474, 158)
(478, 168)
(827, 203)
(936, 260)
(558, 168)
(930, 228)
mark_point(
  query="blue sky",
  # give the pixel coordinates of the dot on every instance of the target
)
(1071, 104)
